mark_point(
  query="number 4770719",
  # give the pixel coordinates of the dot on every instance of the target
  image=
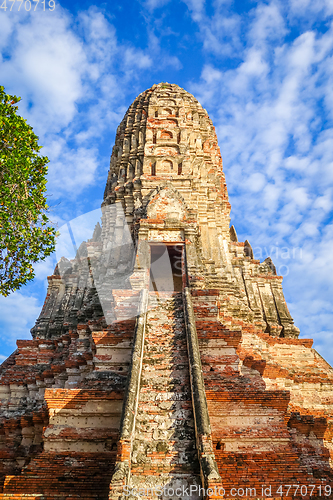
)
(27, 5)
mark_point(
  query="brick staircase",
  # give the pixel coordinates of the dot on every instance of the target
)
(164, 451)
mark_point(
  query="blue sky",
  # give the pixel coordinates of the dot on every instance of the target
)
(263, 71)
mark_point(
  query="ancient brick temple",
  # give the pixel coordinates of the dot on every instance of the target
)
(165, 362)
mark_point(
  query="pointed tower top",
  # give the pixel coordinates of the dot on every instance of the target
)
(167, 136)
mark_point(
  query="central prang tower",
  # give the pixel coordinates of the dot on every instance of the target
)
(165, 359)
(167, 139)
(166, 168)
(166, 174)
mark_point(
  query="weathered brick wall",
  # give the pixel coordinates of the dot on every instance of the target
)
(61, 402)
(269, 402)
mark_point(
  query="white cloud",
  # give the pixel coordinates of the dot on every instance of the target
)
(220, 31)
(134, 58)
(256, 182)
(45, 268)
(197, 8)
(155, 4)
(300, 197)
(45, 67)
(254, 64)
(6, 26)
(324, 202)
(72, 170)
(211, 74)
(310, 8)
(268, 23)
(18, 314)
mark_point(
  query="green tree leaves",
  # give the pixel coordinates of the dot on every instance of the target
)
(26, 235)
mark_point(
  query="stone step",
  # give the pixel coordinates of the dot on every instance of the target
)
(164, 442)
(168, 485)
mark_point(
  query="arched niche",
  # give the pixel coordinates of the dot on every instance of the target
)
(153, 168)
(166, 204)
(166, 112)
(165, 167)
(179, 168)
(165, 134)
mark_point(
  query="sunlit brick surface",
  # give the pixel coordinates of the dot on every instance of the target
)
(205, 384)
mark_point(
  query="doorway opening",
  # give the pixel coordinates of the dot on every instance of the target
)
(166, 267)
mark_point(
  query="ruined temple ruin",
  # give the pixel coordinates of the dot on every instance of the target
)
(165, 363)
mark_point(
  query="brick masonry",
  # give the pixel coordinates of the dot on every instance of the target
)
(206, 384)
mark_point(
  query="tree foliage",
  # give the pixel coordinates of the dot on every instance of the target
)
(26, 235)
